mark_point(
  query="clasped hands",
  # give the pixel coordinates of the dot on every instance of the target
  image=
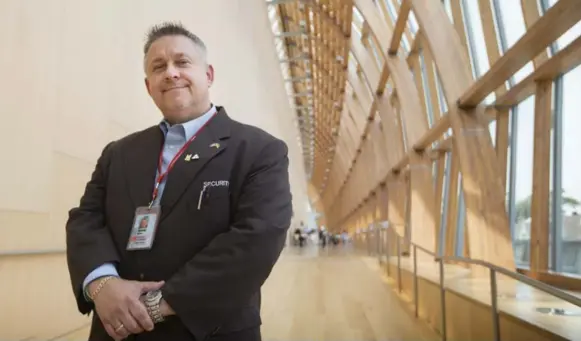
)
(120, 307)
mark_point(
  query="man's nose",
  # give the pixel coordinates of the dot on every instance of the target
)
(171, 72)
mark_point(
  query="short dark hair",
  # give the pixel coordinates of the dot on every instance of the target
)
(170, 29)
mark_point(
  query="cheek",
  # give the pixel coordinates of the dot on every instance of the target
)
(198, 81)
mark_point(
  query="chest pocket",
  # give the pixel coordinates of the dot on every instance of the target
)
(213, 201)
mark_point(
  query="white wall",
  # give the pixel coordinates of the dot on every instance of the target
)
(72, 81)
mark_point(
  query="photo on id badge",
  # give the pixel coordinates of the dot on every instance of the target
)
(143, 230)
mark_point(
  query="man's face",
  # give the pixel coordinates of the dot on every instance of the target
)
(178, 78)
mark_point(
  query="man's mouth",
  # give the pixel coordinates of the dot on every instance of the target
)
(174, 88)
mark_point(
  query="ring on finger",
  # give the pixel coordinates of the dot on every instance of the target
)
(121, 326)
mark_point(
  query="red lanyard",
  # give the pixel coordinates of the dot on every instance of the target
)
(161, 175)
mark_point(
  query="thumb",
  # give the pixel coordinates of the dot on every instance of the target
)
(150, 286)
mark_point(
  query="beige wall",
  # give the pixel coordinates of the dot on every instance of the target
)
(72, 81)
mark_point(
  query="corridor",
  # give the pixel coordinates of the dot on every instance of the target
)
(302, 301)
(335, 295)
(430, 142)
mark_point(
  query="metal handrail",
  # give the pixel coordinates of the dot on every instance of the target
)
(515, 275)
(494, 269)
(69, 332)
(34, 252)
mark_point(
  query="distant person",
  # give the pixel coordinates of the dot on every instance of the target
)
(323, 236)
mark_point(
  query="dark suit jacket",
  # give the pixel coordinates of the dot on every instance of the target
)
(213, 259)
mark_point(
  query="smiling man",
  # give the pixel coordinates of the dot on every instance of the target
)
(216, 195)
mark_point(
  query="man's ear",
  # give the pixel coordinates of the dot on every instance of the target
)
(147, 86)
(210, 75)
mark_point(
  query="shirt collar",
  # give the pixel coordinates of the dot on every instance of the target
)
(190, 127)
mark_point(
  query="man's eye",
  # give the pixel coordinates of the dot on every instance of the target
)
(182, 62)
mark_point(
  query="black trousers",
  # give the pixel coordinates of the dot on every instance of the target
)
(181, 334)
(251, 334)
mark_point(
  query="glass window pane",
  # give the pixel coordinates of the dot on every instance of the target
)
(476, 35)
(552, 162)
(427, 94)
(523, 179)
(413, 23)
(492, 129)
(444, 204)
(461, 218)
(570, 203)
(448, 8)
(376, 54)
(356, 29)
(513, 26)
(509, 198)
(357, 17)
(441, 97)
(570, 35)
(391, 10)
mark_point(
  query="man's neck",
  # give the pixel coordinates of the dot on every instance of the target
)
(192, 116)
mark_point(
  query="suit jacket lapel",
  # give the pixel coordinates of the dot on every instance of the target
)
(209, 142)
(141, 164)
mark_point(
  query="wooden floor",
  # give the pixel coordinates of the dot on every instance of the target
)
(334, 295)
(330, 295)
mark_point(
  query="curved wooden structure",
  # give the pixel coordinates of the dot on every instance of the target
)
(401, 109)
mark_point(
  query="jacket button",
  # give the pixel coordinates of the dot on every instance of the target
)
(141, 276)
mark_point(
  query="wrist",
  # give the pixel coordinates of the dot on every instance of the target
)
(94, 288)
(165, 309)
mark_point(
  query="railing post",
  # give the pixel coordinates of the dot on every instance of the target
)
(387, 250)
(415, 253)
(443, 300)
(494, 305)
(378, 243)
(398, 250)
(379, 248)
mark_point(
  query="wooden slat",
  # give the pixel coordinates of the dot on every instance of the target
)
(565, 60)
(452, 207)
(400, 26)
(487, 221)
(539, 251)
(422, 202)
(435, 132)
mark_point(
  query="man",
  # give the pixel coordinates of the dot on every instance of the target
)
(217, 198)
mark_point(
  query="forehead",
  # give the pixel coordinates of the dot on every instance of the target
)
(168, 47)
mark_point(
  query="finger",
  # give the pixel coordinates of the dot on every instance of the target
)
(131, 326)
(150, 286)
(111, 331)
(139, 313)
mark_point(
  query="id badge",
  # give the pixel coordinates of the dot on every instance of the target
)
(144, 227)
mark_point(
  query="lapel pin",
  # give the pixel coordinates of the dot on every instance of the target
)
(188, 157)
(215, 144)
(195, 157)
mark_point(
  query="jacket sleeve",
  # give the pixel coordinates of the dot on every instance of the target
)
(222, 278)
(89, 243)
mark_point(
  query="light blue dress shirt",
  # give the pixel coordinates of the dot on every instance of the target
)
(175, 137)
